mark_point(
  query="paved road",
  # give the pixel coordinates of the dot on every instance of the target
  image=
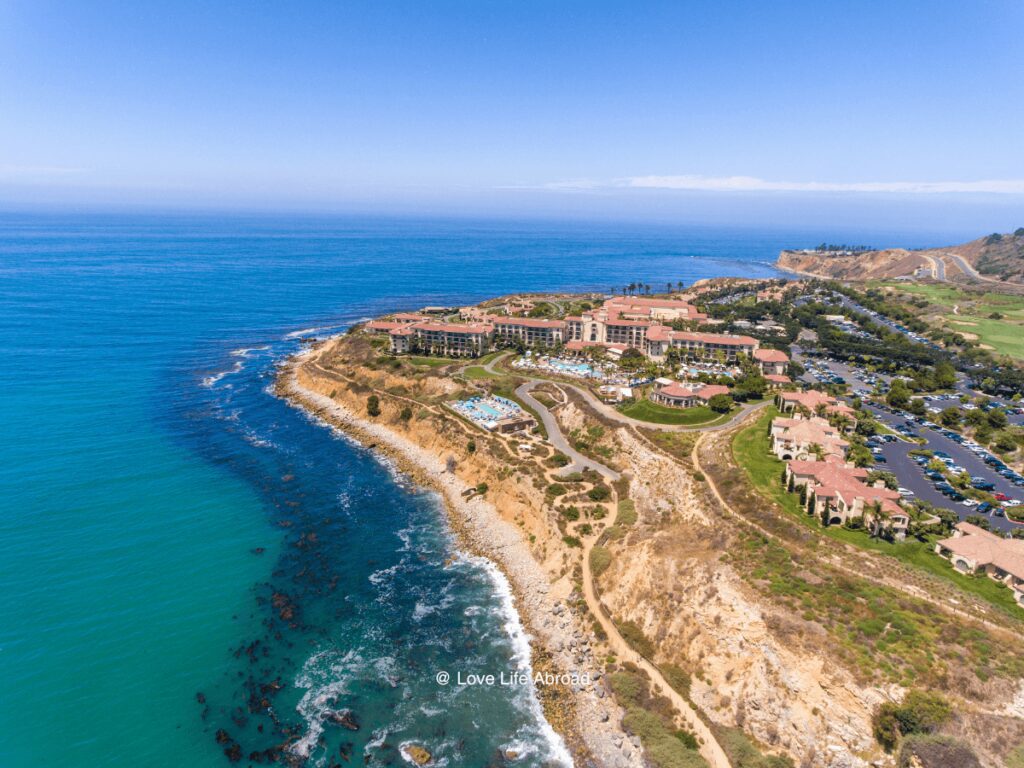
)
(938, 267)
(968, 270)
(557, 439)
(606, 410)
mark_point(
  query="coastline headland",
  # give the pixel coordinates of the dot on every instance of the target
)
(584, 719)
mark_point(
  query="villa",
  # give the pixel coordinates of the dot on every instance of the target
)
(838, 492)
(771, 361)
(805, 438)
(687, 396)
(975, 550)
(814, 402)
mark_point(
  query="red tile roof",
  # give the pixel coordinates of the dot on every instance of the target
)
(771, 356)
(530, 322)
(705, 392)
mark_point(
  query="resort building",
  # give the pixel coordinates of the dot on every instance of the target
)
(771, 361)
(687, 396)
(619, 324)
(625, 320)
(975, 550)
(806, 438)
(531, 331)
(444, 339)
(660, 339)
(838, 492)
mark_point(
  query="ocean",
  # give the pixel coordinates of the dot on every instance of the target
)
(192, 571)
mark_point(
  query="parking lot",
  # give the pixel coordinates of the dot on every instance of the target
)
(912, 476)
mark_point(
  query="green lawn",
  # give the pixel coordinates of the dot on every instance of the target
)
(751, 451)
(431, 362)
(645, 410)
(475, 372)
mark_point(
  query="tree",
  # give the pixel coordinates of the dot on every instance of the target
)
(976, 418)
(916, 406)
(721, 403)
(899, 394)
(950, 417)
(997, 418)
(373, 406)
(944, 375)
(471, 446)
(1005, 442)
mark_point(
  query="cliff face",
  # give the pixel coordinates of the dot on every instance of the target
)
(868, 265)
(995, 258)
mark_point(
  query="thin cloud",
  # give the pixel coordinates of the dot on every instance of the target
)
(754, 184)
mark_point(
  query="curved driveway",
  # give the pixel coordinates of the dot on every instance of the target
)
(557, 439)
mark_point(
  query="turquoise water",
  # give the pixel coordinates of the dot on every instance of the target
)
(182, 554)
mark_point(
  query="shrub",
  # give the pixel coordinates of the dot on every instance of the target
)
(636, 638)
(743, 753)
(627, 512)
(720, 403)
(556, 489)
(599, 493)
(600, 559)
(373, 406)
(406, 414)
(471, 446)
(919, 712)
(572, 541)
(481, 488)
(560, 459)
(677, 677)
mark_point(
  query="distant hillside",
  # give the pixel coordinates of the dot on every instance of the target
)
(994, 258)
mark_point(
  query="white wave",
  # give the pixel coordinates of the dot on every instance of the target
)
(210, 381)
(325, 676)
(259, 442)
(303, 332)
(246, 351)
(558, 752)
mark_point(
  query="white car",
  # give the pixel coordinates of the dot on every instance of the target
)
(970, 502)
(1012, 503)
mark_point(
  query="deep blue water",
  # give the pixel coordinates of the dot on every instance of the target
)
(182, 553)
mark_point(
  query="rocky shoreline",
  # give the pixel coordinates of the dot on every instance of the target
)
(584, 715)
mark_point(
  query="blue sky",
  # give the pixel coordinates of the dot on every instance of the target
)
(697, 111)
